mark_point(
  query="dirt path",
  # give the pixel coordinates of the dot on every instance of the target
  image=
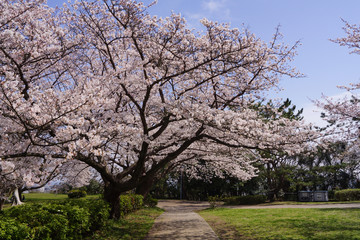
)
(179, 221)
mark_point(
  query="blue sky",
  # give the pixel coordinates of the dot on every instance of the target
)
(313, 22)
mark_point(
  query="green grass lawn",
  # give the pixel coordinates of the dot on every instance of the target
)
(38, 197)
(133, 226)
(305, 203)
(284, 223)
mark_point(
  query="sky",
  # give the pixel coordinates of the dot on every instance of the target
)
(325, 64)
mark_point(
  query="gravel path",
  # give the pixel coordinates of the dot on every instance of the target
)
(179, 221)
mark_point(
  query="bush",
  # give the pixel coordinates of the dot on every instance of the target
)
(99, 213)
(71, 219)
(347, 195)
(78, 220)
(245, 200)
(10, 229)
(150, 201)
(96, 209)
(45, 221)
(94, 187)
(130, 203)
(76, 193)
(137, 201)
(331, 195)
(214, 201)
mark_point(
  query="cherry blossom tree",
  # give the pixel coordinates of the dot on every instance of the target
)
(14, 177)
(8, 181)
(133, 95)
(344, 113)
(19, 175)
(32, 46)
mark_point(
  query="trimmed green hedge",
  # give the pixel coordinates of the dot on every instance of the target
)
(347, 195)
(76, 193)
(130, 203)
(10, 229)
(245, 200)
(71, 219)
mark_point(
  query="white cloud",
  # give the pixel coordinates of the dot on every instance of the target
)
(340, 96)
(312, 113)
(211, 9)
(213, 5)
(194, 16)
(218, 7)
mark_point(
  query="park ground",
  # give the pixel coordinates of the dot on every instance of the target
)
(267, 221)
(284, 223)
(339, 220)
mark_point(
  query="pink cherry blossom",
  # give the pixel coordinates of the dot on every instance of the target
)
(105, 84)
(344, 113)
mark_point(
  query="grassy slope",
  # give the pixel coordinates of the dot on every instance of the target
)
(284, 223)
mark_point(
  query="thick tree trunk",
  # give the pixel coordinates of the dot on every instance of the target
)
(112, 196)
(145, 187)
(17, 200)
(21, 196)
(2, 201)
(271, 195)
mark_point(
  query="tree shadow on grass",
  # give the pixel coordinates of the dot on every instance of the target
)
(329, 226)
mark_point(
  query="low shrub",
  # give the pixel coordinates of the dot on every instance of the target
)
(130, 203)
(99, 213)
(214, 201)
(45, 221)
(68, 219)
(76, 193)
(78, 220)
(245, 200)
(10, 229)
(96, 209)
(149, 201)
(347, 195)
(137, 201)
(71, 219)
(331, 195)
(125, 204)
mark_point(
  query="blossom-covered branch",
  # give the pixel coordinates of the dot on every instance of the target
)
(105, 84)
